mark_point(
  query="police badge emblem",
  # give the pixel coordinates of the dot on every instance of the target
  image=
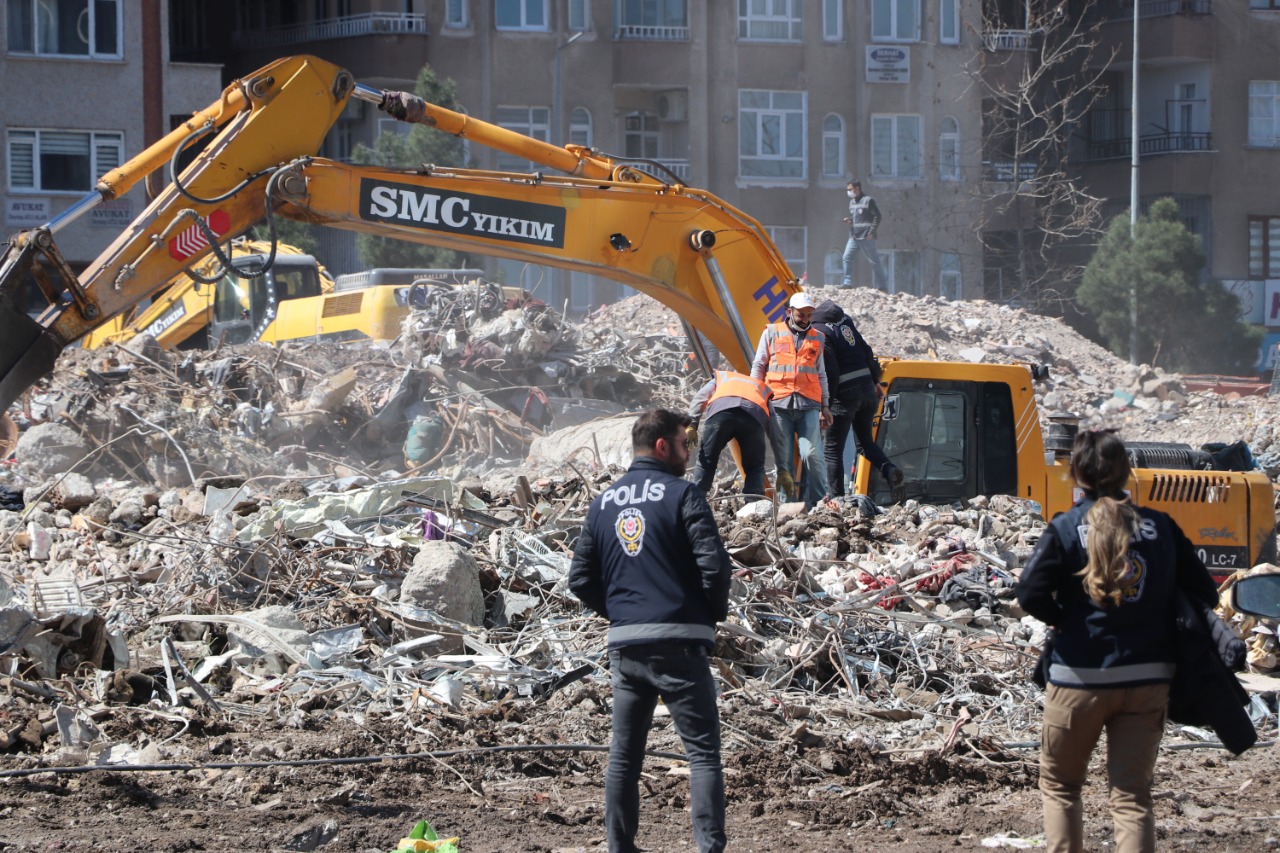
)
(630, 530)
(848, 335)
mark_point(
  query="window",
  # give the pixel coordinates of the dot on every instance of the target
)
(832, 20)
(640, 135)
(949, 150)
(770, 20)
(61, 160)
(580, 128)
(455, 15)
(833, 268)
(833, 147)
(902, 271)
(582, 292)
(1264, 247)
(1264, 113)
(531, 121)
(895, 20)
(520, 14)
(654, 19)
(949, 21)
(393, 125)
(792, 243)
(1264, 4)
(895, 146)
(949, 276)
(771, 134)
(579, 16)
(65, 28)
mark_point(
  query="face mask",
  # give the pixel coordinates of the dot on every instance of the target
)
(851, 194)
(797, 326)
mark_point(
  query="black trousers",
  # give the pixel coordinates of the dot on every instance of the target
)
(851, 406)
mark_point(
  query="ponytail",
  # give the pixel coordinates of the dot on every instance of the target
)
(1111, 524)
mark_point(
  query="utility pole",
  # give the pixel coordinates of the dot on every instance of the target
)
(1133, 189)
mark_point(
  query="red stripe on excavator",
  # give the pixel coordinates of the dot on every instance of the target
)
(191, 240)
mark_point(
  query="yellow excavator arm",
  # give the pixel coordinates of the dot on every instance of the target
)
(711, 263)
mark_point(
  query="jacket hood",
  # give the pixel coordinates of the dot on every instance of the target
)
(828, 311)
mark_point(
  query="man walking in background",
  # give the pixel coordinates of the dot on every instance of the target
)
(651, 561)
(864, 224)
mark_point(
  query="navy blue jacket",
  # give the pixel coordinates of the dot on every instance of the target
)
(1114, 646)
(850, 360)
(650, 559)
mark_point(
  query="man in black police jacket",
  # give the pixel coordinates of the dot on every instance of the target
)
(650, 560)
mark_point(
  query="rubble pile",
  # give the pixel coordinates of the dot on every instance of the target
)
(239, 536)
(1146, 404)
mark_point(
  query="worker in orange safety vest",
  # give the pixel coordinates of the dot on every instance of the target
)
(731, 407)
(789, 360)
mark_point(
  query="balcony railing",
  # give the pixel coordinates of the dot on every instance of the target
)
(679, 168)
(646, 32)
(1007, 39)
(1120, 10)
(1175, 142)
(348, 26)
(1002, 171)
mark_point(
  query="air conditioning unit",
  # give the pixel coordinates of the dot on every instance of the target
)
(673, 105)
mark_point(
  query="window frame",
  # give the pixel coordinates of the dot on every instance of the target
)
(838, 136)
(1267, 265)
(895, 25)
(895, 154)
(524, 26)
(460, 21)
(950, 272)
(577, 127)
(792, 19)
(582, 8)
(757, 117)
(91, 46)
(944, 17)
(96, 139)
(833, 20)
(800, 269)
(889, 261)
(949, 143)
(1273, 98)
(833, 268)
(504, 162)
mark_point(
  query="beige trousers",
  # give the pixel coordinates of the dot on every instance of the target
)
(1074, 719)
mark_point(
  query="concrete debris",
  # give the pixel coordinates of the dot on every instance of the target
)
(236, 534)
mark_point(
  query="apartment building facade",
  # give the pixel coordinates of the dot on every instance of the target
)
(1209, 133)
(87, 85)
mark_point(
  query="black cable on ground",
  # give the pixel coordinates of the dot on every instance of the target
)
(317, 762)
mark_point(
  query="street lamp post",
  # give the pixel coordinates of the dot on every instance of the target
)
(1133, 189)
(557, 94)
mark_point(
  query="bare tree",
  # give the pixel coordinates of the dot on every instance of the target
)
(1040, 74)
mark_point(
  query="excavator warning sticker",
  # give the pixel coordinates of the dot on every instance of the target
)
(191, 240)
(462, 213)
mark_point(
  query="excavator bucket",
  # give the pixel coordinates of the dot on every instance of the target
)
(27, 350)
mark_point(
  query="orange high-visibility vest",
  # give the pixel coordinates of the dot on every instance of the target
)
(731, 384)
(791, 372)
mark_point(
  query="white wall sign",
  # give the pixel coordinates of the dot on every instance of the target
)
(117, 213)
(888, 64)
(26, 212)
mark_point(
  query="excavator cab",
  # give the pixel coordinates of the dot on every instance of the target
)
(244, 307)
(953, 439)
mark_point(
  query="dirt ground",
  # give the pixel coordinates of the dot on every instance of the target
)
(823, 795)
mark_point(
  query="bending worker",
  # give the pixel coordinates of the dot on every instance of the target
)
(732, 407)
(789, 360)
(856, 399)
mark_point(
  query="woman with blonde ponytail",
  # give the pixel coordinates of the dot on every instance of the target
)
(1103, 576)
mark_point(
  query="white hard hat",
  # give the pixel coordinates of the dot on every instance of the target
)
(802, 300)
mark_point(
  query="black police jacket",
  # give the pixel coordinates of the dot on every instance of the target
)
(850, 359)
(650, 559)
(1114, 646)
